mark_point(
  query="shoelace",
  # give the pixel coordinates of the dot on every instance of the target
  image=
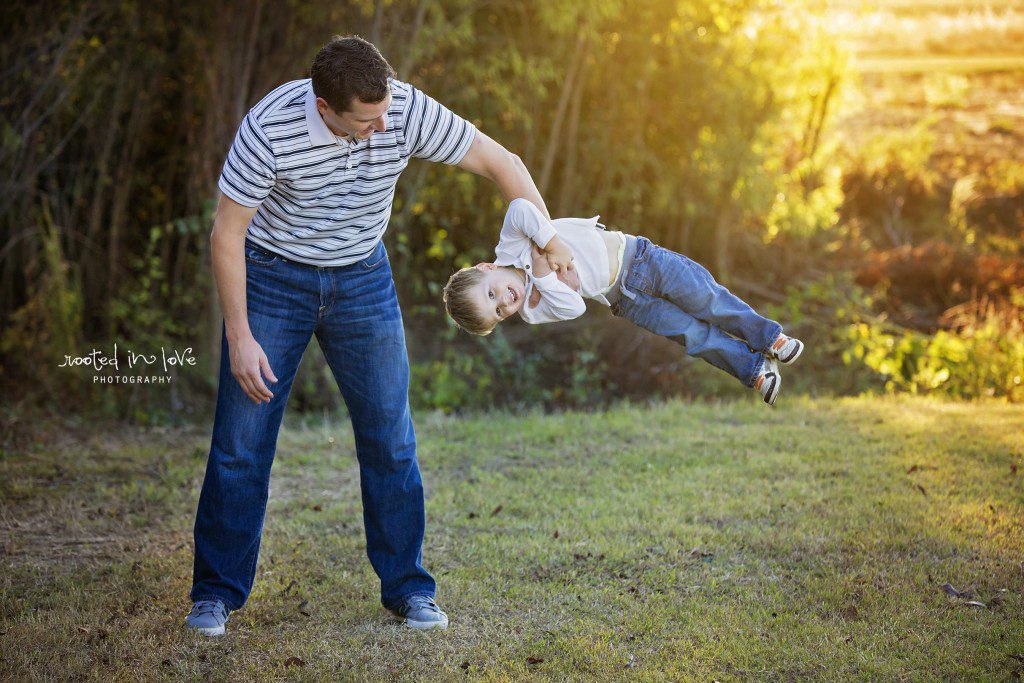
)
(421, 601)
(209, 607)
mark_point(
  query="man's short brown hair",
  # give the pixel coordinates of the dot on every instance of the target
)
(461, 305)
(349, 67)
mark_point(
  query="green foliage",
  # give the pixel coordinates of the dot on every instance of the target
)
(704, 126)
(854, 347)
(48, 326)
(983, 362)
(808, 201)
(490, 373)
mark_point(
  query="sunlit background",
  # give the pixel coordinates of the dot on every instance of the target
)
(853, 169)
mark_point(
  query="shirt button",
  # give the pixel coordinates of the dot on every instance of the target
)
(527, 267)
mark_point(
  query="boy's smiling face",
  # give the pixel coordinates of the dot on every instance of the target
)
(501, 292)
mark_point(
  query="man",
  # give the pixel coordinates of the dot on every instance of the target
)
(306, 195)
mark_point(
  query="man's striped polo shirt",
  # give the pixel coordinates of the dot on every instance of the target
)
(324, 200)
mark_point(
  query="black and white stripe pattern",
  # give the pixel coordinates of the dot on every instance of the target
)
(323, 200)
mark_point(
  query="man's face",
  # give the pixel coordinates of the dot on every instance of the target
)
(500, 293)
(360, 121)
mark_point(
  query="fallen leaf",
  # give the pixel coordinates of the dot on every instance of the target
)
(1013, 469)
(950, 590)
(922, 489)
(555, 535)
(471, 515)
(531, 661)
(317, 507)
(913, 468)
(293, 661)
(497, 510)
(464, 666)
(851, 613)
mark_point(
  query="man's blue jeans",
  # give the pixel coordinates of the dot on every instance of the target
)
(353, 311)
(676, 297)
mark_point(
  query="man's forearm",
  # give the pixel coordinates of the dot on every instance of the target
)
(492, 161)
(514, 180)
(228, 255)
(227, 249)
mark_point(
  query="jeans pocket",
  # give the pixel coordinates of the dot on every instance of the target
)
(638, 278)
(259, 255)
(375, 259)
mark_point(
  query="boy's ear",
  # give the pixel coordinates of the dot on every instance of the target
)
(485, 266)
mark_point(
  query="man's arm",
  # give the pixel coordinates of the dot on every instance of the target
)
(492, 161)
(227, 248)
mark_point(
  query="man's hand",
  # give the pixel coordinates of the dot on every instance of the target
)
(542, 266)
(559, 256)
(249, 365)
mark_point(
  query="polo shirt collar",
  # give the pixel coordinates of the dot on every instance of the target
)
(319, 133)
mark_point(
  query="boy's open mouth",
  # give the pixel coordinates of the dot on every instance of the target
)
(515, 297)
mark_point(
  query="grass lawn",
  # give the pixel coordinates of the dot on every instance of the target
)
(678, 541)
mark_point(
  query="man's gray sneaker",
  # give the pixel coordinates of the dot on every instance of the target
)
(208, 617)
(420, 611)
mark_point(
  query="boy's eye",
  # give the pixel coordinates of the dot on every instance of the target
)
(498, 312)
(490, 294)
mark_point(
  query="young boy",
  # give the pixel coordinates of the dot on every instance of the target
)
(657, 289)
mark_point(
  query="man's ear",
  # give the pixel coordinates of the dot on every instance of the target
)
(323, 107)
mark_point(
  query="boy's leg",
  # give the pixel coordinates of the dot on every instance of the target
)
(697, 337)
(362, 337)
(693, 289)
(232, 504)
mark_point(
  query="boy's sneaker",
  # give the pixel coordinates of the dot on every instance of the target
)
(420, 611)
(208, 617)
(786, 349)
(769, 381)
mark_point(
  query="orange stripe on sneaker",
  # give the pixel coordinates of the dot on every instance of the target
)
(778, 343)
(759, 382)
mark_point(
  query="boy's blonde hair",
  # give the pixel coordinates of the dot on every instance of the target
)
(461, 306)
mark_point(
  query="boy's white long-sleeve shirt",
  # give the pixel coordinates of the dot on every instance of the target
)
(524, 226)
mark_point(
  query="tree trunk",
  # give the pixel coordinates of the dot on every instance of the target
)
(563, 104)
(566, 196)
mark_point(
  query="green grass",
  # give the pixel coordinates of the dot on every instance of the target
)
(680, 541)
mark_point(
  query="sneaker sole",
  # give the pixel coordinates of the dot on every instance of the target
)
(209, 630)
(788, 360)
(773, 389)
(426, 625)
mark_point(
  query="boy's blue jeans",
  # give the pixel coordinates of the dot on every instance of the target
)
(676, 297)
(353, 311)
